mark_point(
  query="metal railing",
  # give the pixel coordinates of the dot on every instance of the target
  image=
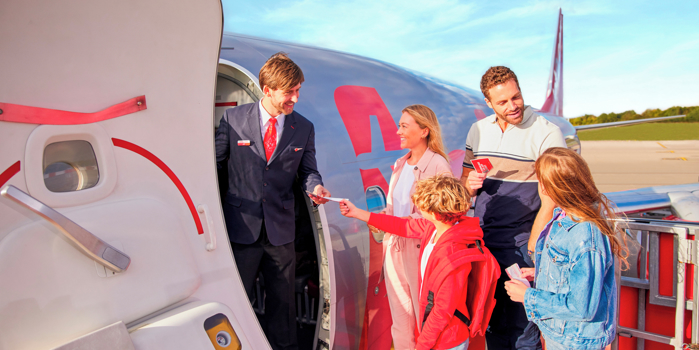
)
(647, 233)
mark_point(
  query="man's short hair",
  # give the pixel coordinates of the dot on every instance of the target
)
(495, 76)
(280, 72)
(442, 195)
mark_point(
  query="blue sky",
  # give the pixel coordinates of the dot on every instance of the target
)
(618, 55)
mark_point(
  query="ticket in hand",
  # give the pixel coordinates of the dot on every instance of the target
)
(332, 199)
(482, 165)
(515, 274)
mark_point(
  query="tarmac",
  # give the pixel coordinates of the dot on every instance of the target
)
(628, 165)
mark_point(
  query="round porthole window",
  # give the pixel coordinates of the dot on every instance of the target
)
(376, 202)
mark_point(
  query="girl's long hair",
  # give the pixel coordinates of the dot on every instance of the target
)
(425, 118)
(566, 178)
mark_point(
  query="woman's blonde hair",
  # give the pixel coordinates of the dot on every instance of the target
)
(425, 118)
(566, 178)
(442, 195)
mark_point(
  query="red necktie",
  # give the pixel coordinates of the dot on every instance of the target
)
(270, 140)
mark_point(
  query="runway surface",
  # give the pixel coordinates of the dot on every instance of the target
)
(628, 165)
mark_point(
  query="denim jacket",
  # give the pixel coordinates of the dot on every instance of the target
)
(574, 302)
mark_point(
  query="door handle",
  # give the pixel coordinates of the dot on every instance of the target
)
(87, 243)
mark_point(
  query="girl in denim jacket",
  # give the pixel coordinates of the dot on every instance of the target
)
(575, 299)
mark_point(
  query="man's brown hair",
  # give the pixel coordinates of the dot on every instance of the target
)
(280, 72)
(495, 76)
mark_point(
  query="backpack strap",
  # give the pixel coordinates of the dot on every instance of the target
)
(460, 315)
(428, 308)
(445, 268)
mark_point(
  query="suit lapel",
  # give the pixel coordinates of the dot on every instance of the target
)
(287, 134)
(253, 128)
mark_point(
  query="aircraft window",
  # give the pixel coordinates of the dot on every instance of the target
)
(376, 202)
(70, 166)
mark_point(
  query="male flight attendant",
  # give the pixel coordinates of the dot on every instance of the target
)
(508, 204)
(267, 145)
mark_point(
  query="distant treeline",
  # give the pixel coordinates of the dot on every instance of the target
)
(692, 115)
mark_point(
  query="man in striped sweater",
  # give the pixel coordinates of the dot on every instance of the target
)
(507, 200)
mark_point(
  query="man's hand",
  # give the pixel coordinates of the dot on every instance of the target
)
(474, 182)
(318, 193)
(351, 211)
(516, 290)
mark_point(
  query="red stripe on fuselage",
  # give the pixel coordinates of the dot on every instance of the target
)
(356, 105)
(160, 164)
(9, 172)
(35, 115)
(376, 330)
(373, 177)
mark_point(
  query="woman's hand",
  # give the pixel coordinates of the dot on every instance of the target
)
(516, 289)
(351, 211)
(527, 273)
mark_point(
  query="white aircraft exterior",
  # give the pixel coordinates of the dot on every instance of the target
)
(111, 229)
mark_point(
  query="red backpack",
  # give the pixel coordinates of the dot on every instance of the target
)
(480, 295)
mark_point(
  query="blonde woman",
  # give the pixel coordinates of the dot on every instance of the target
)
(419, 132)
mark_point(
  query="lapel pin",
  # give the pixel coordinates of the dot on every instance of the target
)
(243, 142)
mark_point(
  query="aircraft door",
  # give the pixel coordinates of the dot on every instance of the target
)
(110, 221)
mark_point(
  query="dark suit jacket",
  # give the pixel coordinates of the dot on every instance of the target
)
(259, 190)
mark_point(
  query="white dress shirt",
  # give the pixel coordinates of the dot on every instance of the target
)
(264, 122)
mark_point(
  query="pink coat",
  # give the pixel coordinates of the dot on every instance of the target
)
(401, 261)
(429, 165)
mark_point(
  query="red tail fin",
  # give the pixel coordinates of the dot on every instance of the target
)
(554, 94)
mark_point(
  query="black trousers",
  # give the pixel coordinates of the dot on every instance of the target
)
(509, 327)
(277, 265)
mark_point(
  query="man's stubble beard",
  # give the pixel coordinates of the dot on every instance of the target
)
(507, 120)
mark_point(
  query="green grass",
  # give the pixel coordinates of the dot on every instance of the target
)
(644, 132)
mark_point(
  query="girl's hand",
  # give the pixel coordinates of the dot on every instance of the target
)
(528, 273)
(516, 289)
(351, 211)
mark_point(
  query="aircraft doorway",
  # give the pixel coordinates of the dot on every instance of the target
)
(235, 86)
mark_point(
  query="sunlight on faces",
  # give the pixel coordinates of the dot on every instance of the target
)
(410, 133)
(282, 101)
(507, 102)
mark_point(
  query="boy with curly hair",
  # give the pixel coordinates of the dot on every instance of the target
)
(457, 273)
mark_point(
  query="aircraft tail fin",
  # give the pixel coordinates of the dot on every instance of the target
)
(554, 93)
